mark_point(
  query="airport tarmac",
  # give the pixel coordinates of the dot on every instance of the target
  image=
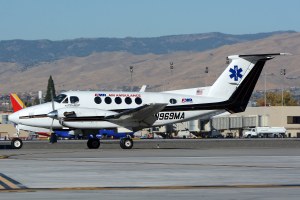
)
(165, 143)
(207, 173)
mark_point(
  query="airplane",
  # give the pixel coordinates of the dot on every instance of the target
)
(94, 110)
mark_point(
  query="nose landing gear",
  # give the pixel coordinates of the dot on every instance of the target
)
(16, 143)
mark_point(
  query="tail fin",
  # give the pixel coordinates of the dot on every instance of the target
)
(16, 102)
(235, 73)
(238, 81)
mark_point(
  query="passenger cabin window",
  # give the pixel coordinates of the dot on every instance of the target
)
(97, 100)
(118, 100)
(107, 100)
(128, 100)
(60, 98)
(138, 100)
(74, 99)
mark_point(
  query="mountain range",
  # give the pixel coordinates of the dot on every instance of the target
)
(32, 52)
(103, 63)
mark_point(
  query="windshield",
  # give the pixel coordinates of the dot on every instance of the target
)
(60, 98)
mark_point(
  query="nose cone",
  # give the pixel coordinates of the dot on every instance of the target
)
(53, 114)
(14, 118)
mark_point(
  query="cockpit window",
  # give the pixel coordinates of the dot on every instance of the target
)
(60, 98)
(74, 99)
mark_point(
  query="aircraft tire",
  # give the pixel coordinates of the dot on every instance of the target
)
(16, 143)
(126, 143)
(93, 143)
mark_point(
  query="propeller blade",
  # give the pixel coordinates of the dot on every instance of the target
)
(52, 100)
(51, 127)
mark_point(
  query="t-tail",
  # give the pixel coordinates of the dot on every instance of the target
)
(16, 102)
(238, 81)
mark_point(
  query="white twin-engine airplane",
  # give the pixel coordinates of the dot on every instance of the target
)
(92, 110)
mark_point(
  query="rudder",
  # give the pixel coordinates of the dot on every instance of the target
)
(16, 102)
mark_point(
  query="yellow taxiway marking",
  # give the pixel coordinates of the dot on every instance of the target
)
(7, 183)
(3, 156)
(182, 187)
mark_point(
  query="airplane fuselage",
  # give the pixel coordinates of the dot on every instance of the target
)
(115, 102)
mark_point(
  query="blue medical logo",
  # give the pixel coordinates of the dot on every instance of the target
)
(187, 100)
(235, 73)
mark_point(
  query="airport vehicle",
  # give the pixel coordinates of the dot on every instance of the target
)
(274, 132)
(210, 134)
(215, 134)
(91, 110)
(113, 134)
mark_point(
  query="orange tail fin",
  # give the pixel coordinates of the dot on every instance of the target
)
(16, 102)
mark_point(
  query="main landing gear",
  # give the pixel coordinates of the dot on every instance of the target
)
(93, 143)
(125, 143)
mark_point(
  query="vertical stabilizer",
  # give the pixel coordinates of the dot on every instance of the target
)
(16, 102)
(236, 72)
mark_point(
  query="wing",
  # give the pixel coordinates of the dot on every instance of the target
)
(143, 116)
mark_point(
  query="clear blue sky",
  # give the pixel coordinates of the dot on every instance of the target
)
(69, 19)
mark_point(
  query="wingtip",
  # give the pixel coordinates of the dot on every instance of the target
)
(286, 54)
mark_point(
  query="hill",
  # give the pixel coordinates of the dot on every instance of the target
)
(110, 70)
(32, 52)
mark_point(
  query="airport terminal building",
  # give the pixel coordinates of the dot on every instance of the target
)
(235, 124)
(274, 116)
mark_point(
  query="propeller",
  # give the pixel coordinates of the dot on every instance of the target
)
(53, 115)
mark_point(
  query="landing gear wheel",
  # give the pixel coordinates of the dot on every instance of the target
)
(16, 143)
(126, 143)
(93, 143)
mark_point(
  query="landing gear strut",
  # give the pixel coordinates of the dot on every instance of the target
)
(126, 143)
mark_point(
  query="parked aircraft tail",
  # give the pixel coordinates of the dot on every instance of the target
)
(16, 102)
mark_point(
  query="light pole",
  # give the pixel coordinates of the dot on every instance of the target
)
(265, 85)
(282, 73)
(171, 68)
(131, 72)
(206, 72)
